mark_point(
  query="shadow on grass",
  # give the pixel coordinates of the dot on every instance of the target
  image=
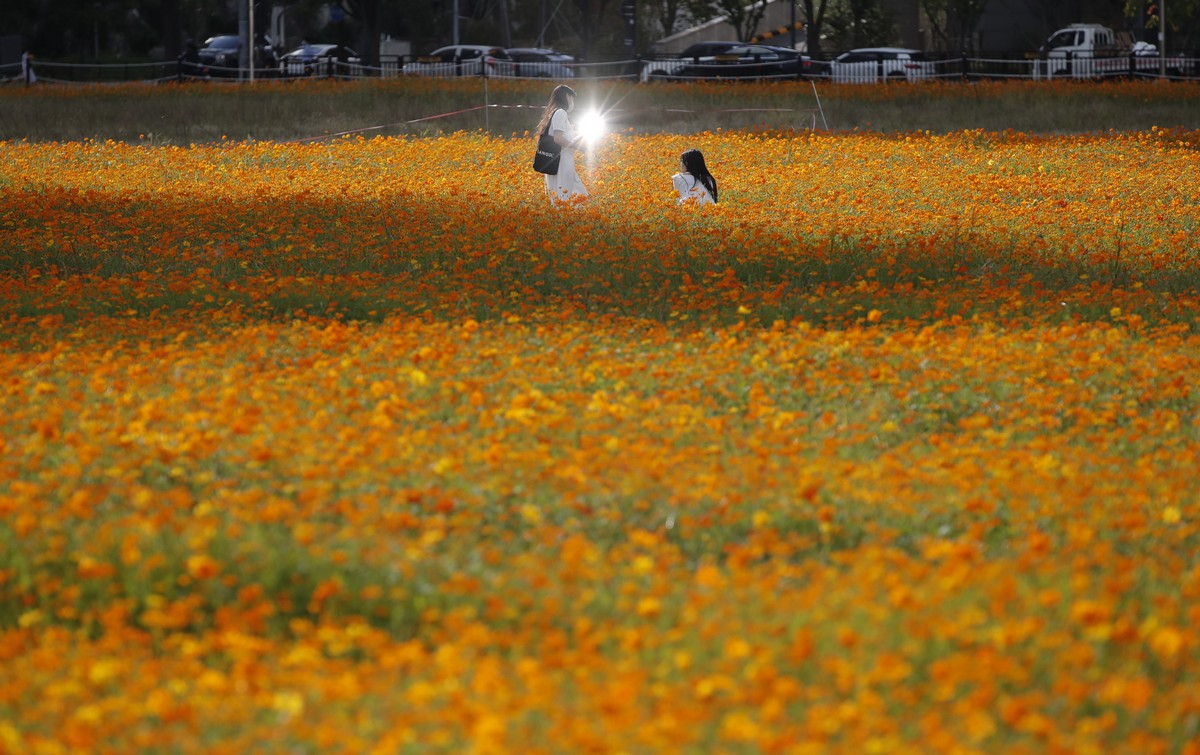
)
(365, 261)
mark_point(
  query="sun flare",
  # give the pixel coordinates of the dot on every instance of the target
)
(591, 126)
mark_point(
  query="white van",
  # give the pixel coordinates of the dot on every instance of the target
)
(1093, 51)
(1082, 40)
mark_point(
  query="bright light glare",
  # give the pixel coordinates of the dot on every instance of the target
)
(591, 126)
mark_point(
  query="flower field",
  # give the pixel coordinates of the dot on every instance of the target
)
(359, 446)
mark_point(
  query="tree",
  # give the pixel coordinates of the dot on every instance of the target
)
(366, 16)
(591, 13)
(425, 24)
(172, 30)
(859, 23)
(88, 28)
(953, 22)
(814, 15)
(1055, 14)
(500, 11)
(743, 18)
(669, 15)
(1182, 16)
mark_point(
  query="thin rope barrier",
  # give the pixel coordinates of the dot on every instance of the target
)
(350, 132)
(386, 125)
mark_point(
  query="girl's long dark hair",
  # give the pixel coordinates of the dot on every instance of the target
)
(693, 162)
(558, 99)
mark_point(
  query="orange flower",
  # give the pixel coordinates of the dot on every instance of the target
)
(383, 460)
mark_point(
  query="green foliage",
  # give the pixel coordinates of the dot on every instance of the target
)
(953, 23)
(859, 23)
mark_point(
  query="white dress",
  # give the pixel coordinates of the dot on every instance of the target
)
(566, 184)
(690, 189)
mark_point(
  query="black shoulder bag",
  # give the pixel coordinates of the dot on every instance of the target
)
(548, 154)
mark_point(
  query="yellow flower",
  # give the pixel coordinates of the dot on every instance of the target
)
(30, 619)
(288, 702)
(648, 607)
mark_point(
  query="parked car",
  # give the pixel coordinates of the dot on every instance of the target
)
(542, 63)
(220, 55)
(747, 62)
(666, 67)
(311, 59)
(870, 64)
(462, 60)
(704, 49)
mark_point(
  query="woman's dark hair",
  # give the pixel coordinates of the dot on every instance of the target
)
(558, 100)
(693, 162)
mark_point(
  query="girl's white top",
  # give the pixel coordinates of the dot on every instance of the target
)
(567, 183)
(690, 189)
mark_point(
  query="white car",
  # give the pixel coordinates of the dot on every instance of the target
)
(462, 60)
(868, 65)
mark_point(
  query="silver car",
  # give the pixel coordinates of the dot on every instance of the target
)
(462, 60)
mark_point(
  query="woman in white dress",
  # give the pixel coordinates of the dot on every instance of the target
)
(566, 185)
(695, 184)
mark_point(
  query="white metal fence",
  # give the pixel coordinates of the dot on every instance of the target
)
(969, 68)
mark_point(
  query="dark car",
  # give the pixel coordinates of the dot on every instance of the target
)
(748, 62)
(220, 55)
(319, 60)
(542, 63)
(705, 49)
(665, 68)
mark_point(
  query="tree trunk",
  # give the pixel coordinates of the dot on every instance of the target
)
(171, 32)
(814, 17)
(366, 13)
(502, 22)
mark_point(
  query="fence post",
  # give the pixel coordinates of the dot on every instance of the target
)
(966, 67)
(879, 75)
